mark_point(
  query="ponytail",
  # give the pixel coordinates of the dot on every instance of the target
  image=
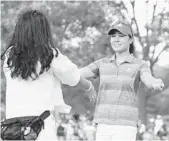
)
(131, 48)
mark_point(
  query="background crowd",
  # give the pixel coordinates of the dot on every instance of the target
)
(81, 127)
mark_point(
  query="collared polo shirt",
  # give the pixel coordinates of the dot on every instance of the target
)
(117, 102)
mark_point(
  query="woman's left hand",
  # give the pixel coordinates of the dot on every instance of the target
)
(158, 85)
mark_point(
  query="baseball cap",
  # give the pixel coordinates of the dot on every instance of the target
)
(123, 27)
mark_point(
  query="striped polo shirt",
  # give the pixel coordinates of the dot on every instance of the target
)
(117, 102)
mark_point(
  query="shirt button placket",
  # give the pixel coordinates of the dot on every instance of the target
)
(117, 74)
(117, 69)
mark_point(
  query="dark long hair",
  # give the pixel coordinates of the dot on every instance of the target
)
(31, 43)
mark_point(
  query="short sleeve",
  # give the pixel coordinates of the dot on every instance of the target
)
(94, 67)
(144, 68)
(66, 71)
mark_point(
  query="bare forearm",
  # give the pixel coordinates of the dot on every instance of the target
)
(148, 81)
(88, 87)
(84, 83)
(151, 82)
(87, 73)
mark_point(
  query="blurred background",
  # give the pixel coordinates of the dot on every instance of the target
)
(79, 30)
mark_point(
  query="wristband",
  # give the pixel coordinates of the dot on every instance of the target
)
(89, 87)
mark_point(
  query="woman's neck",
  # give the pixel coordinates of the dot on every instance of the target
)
(120, 57)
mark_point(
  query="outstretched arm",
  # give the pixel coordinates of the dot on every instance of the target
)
(92, 70)
(147, 78)
(151, 82)
(69, 74)
(87, 73)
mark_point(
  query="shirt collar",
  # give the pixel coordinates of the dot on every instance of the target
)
(129, 58)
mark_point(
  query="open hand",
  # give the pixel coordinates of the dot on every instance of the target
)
(158, 84)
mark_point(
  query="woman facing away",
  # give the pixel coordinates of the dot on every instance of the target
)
(34, 70)
(120, 75)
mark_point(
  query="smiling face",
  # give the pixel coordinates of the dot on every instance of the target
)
(120, 43)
